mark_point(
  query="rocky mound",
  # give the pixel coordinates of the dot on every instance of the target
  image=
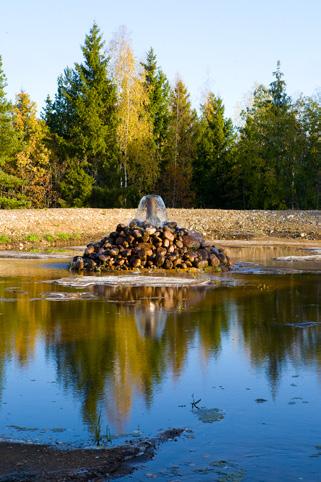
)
(144, 246)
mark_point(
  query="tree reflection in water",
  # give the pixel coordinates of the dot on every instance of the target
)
(125, 341)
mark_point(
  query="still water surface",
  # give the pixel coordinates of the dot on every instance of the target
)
(103, 364)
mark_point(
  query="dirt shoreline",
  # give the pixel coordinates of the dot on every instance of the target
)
(26, 462)
(28, 228)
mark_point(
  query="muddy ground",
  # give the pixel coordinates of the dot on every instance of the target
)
(30, 462)
(25, 228)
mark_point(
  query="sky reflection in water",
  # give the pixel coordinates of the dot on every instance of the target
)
(131, 359)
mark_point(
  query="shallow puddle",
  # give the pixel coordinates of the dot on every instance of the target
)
(236, 361)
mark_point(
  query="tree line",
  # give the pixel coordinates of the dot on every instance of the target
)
(116, 130)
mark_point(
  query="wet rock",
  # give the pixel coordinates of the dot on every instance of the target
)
(191, 256)
(137, 233)
(77, 263)
(168, 264)
(90, 264)
(171, 225)
(168, 235)
(161, 251)
(150, 231)
(166, 243)
(121, 227)
(177, 263)
(141, 245)
(145, 249)
(103, 258)
(213, 261)
(203, 254)
(90, 249)
(160, 259)
(191, 242)
(136, 262)
(202, 264)
(120, 240)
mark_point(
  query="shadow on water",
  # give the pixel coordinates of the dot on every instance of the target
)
(116, 355)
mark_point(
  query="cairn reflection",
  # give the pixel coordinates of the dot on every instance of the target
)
(151, 305)
(123, 344)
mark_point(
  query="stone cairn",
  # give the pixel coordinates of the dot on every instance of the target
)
(151, 242)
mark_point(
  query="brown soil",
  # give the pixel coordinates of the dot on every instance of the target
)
(30, 462)
(43, 227)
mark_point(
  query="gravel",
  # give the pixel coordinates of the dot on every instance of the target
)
(85, 224)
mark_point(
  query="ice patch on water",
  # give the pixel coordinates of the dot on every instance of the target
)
(29, 255)
(66, 296)
(249, 268)
(131, 280)
(313, 250)
(209, 415)
(311, 257)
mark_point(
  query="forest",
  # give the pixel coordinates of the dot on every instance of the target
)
(116, 130)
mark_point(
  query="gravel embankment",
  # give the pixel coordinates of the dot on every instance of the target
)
(54, 226)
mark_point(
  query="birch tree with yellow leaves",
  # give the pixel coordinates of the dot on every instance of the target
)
(32, 161)
(139, 169)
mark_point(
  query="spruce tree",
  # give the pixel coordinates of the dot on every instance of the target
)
(10, 195)
(158, 89)
(270, 149)
(179, 151)
(279, 97)
(83, 122)
(309, 176)
(214, 166)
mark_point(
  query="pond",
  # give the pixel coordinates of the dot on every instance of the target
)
(236, 362)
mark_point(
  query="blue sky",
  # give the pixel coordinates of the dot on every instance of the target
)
(225, 45)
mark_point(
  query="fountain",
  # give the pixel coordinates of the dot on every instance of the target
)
(151, 209)
(150, 242)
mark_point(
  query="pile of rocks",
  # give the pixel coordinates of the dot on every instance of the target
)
(144, 246)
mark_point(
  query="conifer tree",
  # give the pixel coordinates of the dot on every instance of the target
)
(82, 119)
(214, 166)
(270, 149)
(9, 145)
(309, 185)
(179, 150)
(158, 89)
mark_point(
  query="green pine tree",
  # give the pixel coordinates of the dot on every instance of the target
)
(82, 120)
(270, 149)
(214, 168)
(309, 176)
(179, 150)
(158, 89)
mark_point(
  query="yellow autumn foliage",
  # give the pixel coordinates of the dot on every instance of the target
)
(32, 163)
(134, 131)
